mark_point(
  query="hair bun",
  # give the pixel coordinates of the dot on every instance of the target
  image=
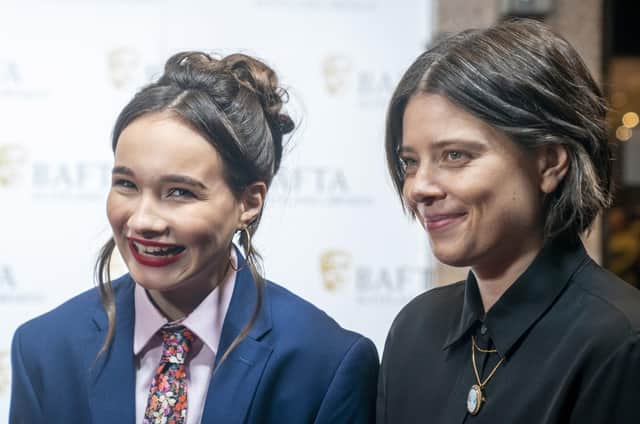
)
(258, 78)
(191, 70)
(199, 70)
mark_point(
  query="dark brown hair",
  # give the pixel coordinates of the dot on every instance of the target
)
(521, 78)
(236, 104)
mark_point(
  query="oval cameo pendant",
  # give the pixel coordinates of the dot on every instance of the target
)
(474, 399)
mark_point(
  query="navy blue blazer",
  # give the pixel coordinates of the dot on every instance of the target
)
(297, 365)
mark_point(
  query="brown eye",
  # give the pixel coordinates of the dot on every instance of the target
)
(119, 182)
(181, 193)
(455, 157)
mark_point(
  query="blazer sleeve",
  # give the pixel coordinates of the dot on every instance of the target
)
(351, 396)
(24, 407)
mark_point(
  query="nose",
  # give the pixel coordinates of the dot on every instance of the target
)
(423, 187)
(147, 220)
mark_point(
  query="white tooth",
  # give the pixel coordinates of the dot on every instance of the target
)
(153, 250)
(157, 250)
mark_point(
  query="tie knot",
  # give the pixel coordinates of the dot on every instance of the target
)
(176, 343)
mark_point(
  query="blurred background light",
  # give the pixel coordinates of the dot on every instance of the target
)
(630, 119)
(623, 133)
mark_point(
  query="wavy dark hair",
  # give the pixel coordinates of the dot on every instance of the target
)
(521, 78)
(235, 103)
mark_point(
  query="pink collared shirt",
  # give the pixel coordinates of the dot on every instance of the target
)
(147, 344)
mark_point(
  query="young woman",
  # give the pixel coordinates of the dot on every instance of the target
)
(192, 333)
(497, 145)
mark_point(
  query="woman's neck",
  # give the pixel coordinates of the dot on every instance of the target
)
(495, 279)
(179, 302)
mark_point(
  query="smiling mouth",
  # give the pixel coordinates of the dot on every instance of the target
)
(155, 254)
(157, 251)
(438, 222)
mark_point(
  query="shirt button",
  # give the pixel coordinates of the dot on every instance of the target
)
(483, 330)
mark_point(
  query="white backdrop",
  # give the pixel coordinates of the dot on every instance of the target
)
(332, 232)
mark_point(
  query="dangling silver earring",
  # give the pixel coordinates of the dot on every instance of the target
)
(248, 235)
(244, 229)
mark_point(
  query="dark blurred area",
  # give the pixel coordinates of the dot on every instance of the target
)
(622, 84)
(624, 24)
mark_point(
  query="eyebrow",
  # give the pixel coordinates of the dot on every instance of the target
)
(183, 179)
(172, 178)
(444, 143)
(403, 149)
(122, 170)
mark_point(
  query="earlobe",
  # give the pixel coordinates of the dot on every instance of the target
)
(553, 166)
(251, 202)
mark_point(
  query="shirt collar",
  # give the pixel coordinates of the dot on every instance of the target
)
(205, 321)
(524, 302)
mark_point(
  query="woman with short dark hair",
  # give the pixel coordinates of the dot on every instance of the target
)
(496, 143)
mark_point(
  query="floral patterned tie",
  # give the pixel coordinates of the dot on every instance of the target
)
(167, 402)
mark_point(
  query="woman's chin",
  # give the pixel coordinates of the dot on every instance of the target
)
(451, 255)
(153, 282)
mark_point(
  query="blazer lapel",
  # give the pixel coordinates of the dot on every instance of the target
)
(234, 381)
(112, 375)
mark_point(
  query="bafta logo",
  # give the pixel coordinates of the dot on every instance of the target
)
(123, 63)
(336, 70)
(334, 268)
(11, 158)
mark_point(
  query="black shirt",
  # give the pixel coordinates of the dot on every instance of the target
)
(567, 330)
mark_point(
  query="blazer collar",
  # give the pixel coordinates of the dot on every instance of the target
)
(243, 303)
(528, 298)
(235, 380)
(112, 374)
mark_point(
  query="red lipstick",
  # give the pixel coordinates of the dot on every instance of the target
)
(173, 254)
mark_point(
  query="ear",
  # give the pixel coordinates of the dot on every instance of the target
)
(251, 202)
(553, 164)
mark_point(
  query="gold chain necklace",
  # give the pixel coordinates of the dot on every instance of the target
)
(475, 396)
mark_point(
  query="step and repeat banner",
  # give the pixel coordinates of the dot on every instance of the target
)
(333, 231)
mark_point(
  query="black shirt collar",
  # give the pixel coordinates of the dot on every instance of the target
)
(525, 300)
